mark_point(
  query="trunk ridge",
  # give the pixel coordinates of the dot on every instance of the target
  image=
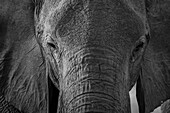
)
(91, 82)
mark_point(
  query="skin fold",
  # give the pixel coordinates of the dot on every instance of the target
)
(156, 66)
(22, 67)
(83, 56)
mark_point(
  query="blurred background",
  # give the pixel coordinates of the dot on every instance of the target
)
(134, 105)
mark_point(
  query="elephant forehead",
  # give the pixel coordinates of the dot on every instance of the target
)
(98, 21)
(75, 23)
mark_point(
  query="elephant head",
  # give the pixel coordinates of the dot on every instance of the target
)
(93, 51)
(83, 56)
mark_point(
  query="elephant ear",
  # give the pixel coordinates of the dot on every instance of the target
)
(153, 85)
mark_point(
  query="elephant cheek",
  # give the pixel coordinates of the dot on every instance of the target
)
(92, 83)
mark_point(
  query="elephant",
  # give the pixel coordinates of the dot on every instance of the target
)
(83, 56)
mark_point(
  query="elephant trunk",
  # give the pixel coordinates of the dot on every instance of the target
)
(92, 82)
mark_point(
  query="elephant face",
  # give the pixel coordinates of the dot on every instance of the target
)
(93, 51)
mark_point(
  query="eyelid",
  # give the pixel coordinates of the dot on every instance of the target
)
(51, 45)
(140, 45)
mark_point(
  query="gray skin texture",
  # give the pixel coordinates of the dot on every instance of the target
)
(22, 67)
(153, 87)
(158, 58)
(91, 51)
(95, 48)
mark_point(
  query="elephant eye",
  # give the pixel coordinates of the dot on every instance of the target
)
(138, 47)
(136, 52)
(51, 45)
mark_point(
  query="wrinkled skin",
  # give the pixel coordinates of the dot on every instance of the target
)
(22, 67)
(153, 87)
(84, 55)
